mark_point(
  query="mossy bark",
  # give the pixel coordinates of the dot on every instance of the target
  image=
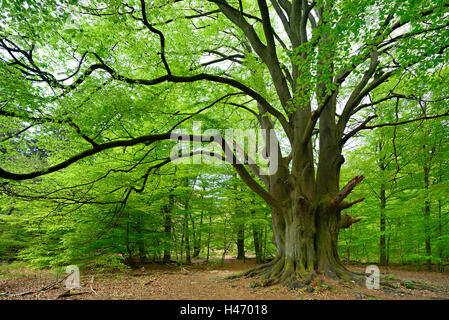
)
(306, 248)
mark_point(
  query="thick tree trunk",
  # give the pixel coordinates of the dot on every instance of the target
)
(306, 239)
(306, 215)
(307, 204)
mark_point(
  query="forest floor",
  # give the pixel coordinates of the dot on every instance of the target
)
(202, 280)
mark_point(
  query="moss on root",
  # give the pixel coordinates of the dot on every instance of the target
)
(293, 275)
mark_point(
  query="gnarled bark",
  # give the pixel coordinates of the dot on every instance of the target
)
(306, 236)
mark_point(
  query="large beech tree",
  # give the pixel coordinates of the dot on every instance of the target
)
(307, 69)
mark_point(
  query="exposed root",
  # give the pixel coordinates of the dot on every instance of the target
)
(253, 271)
(285, 272)
(260, 269)
(339, 272)
(391, 283)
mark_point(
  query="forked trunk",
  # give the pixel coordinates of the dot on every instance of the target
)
(306, 201)
(309, 244)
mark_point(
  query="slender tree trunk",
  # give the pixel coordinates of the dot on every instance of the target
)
(140, 239)
(225, 245)
(194, 236)
(388, 244)
(186, 238)
(241, 243)
(440, 232)
(197, 245)
(257, 245)
(440, 222)
(382, 244)
(208, 239)
(427, 218)
(382, 207)
(167, 238)
(240, 235)
(264, 236)
(129, 251)
(182, 242)
(175, 240)
(168, 229)
(257, 240)
(239, 223)
(186, 230)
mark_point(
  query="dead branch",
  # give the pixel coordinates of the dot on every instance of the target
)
(346, 190)
(346, 221)
(346, 205)
(45, 288)
(70, 293)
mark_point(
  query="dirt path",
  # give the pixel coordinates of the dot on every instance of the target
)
(207, 281)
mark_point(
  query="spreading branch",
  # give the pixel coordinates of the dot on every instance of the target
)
(147, 139)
